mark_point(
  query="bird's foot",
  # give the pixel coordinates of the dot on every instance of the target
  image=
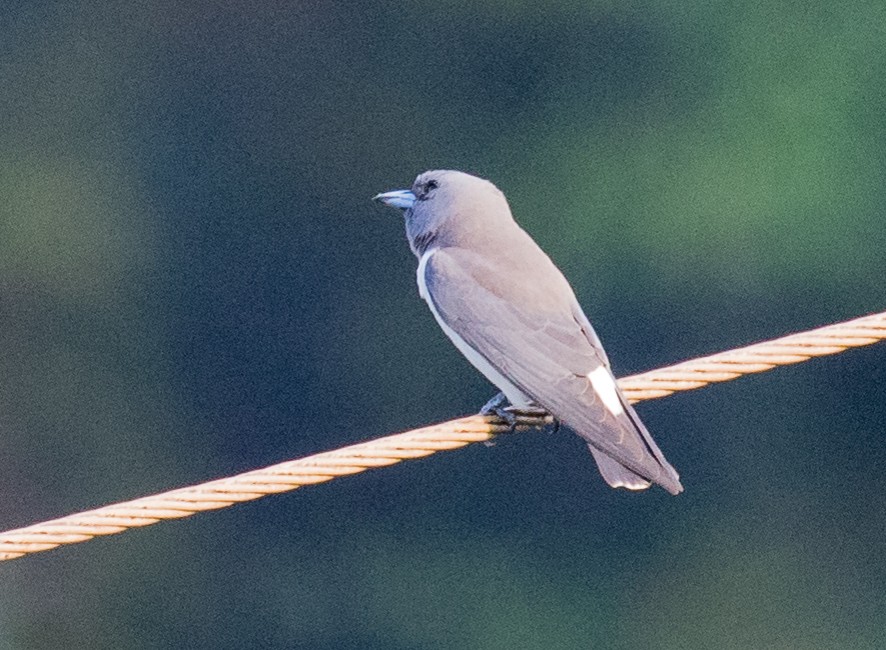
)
(514, 415)
(495, 405)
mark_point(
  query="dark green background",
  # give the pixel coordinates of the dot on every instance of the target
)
(193, 283)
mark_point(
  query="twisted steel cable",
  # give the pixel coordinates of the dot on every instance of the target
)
(418, 443)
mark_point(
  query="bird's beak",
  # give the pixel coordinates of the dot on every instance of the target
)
(402, 199)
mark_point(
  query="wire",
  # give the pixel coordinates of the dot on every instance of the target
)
(418, 443)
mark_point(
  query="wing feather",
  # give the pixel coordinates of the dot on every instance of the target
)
(533, 331)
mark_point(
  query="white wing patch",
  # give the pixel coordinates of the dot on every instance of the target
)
(604, 385)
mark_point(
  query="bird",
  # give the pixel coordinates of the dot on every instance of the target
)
(512, 313)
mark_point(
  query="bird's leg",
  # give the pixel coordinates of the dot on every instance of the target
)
(501, 407)
(498, 401)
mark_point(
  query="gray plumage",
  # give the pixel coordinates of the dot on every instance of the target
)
(509, 309)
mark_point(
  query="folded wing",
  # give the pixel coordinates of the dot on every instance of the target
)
(536, 335)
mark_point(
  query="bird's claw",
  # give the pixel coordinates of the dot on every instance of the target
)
(511, 415)
(501, 408)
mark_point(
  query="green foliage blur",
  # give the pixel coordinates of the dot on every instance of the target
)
(194, 282)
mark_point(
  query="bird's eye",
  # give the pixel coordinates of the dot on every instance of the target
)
(431, 185)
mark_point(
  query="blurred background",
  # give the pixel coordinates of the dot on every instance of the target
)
(194, 282)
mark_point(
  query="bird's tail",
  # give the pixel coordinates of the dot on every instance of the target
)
(617, 475)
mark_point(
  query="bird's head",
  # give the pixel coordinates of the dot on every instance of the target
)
(446, 207)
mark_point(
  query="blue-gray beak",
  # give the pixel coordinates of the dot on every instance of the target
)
(402, 199)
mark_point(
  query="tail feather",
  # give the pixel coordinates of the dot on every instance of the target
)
(616, 474)
(641, 465)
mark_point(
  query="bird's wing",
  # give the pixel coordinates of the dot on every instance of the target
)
(535, 334)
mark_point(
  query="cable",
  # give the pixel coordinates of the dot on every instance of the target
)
(418, 443)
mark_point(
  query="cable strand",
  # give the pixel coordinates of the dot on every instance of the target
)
(418, 443)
